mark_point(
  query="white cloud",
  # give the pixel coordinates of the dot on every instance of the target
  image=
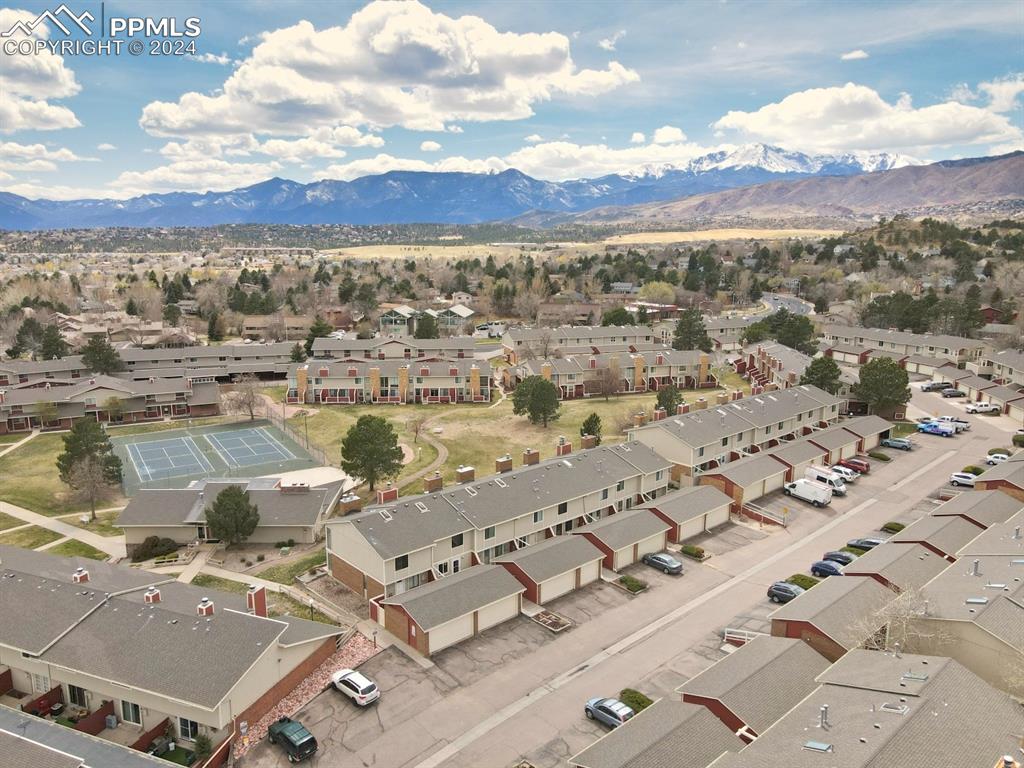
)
(609, 42)
(34, 157)
(430, 146)
(105, 147)
(29, 81)
(668, 134)
(637, 138)
(533, 138)
(855, 117)
(1003, 92)
(856, 55)
(212, 58)
(193, 175)
(391, 64)
(383, 163)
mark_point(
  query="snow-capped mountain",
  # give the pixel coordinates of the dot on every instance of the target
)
(456, 198)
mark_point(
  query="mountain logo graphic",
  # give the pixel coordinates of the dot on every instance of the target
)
(54, 18)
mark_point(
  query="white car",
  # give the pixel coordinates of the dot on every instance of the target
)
(356, 686)
(962, 478)
(984, 408)
(848, 475)
(997, 458)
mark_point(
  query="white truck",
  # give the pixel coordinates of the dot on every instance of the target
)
(961, 425)
(807, 490)
(827, 477)
(984, 408)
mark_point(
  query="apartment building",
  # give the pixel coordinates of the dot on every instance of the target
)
(726, 333)
(1005, 367)
(709, 437)
(125, 655)
(13, 372)
(584, 375)
(520, 344)
(956, 349)
(399, 544)
(275, 326)
(390, 381)
(391, 348)
(58, 403)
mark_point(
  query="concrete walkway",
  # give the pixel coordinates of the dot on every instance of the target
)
(111, 545)
(7, 449)
(198, 562)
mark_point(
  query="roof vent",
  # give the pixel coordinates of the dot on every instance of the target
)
(385, 514)
(976, 567)
(817, 746)
(896, 709)
(976, 601)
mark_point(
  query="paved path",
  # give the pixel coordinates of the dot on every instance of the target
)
(198, 562)
(52, 544)
(8, 448)
(112, 545)
(437, 463)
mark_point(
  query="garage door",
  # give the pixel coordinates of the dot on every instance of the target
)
(622, 557)
(651, 544)
(1016, 412)
(848, 451)
(774, 483)
(691, 528)
(718, 516)
(871, 441)
(503, 610)
(558, 586)
(590, 572)
(451, 632)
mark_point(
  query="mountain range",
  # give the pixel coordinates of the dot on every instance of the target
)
(400, 197)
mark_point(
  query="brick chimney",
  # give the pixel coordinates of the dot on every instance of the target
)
(465, 474)
(256, 600)
(682, 408)
(387, 495)
(639, 419)
(588, 441)
(659, 414)
(80, 576)
(503, 463)
(205, 607)
(700, 405)
(349, 503)
(722, 398)
(737, 394)
(530, 456)
(563, 448)
(151, 596)
(432, 483)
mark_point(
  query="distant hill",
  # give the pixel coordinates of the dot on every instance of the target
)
(947, 184)
(403, 197)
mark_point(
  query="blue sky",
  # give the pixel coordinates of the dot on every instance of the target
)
(309, 90)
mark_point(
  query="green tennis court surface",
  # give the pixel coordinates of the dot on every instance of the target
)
(175, 458)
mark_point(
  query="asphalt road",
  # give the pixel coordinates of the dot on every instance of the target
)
(779, 301)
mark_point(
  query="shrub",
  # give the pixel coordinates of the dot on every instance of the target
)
(693, 551)
(260, 558)
(878, 455)
(802, 580)
(854, 550)
(999, 450)
(973, 469)
(153, 546)
(203, 746)
(1018, 440)
(279, 544)
(291, 542)
(635, 700)
(892, 527)
(632, 583)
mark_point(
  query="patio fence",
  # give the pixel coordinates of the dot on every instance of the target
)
(299, 436)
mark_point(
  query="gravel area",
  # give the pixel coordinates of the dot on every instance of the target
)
(340, 596)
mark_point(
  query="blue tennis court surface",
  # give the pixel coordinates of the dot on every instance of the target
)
(172, 457)
(248, 447)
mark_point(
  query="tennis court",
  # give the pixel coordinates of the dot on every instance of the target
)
(175, 458)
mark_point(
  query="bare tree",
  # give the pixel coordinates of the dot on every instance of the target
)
(244, 397)
(88, 483)
(607, 382)
(902, 624)
(415, 426)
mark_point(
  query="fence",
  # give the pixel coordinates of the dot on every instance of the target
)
(735, 636)
(762, 514)
(299, 436)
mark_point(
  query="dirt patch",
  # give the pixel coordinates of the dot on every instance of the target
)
(341, 597)
(701, 235)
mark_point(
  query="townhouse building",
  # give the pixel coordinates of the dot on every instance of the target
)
(707, 437)
(520, 344)
(391, 348)
(583, 375)
(956, 349)
(726, 333)
(401, 320)
(125, 655)
(59, 403)
(275, 326)
(775, 366)
(13, 372)
(399, 544)
(1004, 367)
(390, 381)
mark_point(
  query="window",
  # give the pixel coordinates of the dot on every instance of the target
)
(563, 507)
(489, 532)
(40, 683)
(620, 485)
(538, 517)
(442, 568)
(131, 713)
(76, 696)
(725, 441)
(456, 540)
(659, 474)
(700, 451)
(401, 562)
(188, 729)
(604, 494)
(768, 429)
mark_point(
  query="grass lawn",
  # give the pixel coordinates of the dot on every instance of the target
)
(163, 426)
(275, 393)
(28, 478)
(286, 573)
(277, 604)
(76, 548)
(103, 524)
(731, 380)
(12, 438)
(904, 428)
(6, 521)
(29, 538)
(178, 755)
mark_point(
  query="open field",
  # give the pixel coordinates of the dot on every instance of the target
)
(286, 573)
(104, 524)
(6, 521)
(28, 538)
(442, 252)
(277, 603)
(701, 235)
(76, 548)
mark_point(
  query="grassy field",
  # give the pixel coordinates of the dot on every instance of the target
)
(12, 438)
(76, 548)
(162, 426)
(29, 538)
(277, 604)
(28, 478)
(103, 524)
(6, 521)
(286, 573)
(701, 235)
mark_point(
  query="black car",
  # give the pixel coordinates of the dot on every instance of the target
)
(783, 592)
(866, 543)
(298, 743)
(953, 393)
(843, 558)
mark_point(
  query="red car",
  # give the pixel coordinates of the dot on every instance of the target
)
(857, 465)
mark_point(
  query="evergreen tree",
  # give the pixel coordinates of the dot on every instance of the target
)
(426, 327)
(669, 398)
(537, 398)
(298, 353)
(318, 330)
(28, 339)
(883, 385)
(823, 372)
(617, 316)
(214, 327)
(98, 356)
(690, 332)
(232, 517)
(88, 439)
(52, 345)
(370, 451)
(592, 426)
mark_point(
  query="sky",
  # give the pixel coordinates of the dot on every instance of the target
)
(558, 90)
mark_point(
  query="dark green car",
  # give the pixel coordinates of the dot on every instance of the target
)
(298, 743)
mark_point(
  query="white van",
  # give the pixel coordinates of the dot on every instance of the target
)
(817, 494)
(827, 477)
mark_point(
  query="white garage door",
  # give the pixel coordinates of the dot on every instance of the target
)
(503, 610)
(871, 441)
(1016, 412)
(451, 632)
(623, 557)
(590, 572)
(691, 528)
(773, 483)
(558, 586)
(718, 516)
(651, 544)
(847, 451)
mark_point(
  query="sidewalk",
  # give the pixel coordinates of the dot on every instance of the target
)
(111, 545)
(12, 446)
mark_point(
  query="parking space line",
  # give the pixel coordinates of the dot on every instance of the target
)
(917, 473)
(214, 443)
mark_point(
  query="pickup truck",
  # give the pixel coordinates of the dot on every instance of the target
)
(298, 743)
(984, 408)
(961, 425)
(935, 386)
(936, 428)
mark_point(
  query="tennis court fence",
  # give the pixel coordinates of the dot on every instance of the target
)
(299, 436)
